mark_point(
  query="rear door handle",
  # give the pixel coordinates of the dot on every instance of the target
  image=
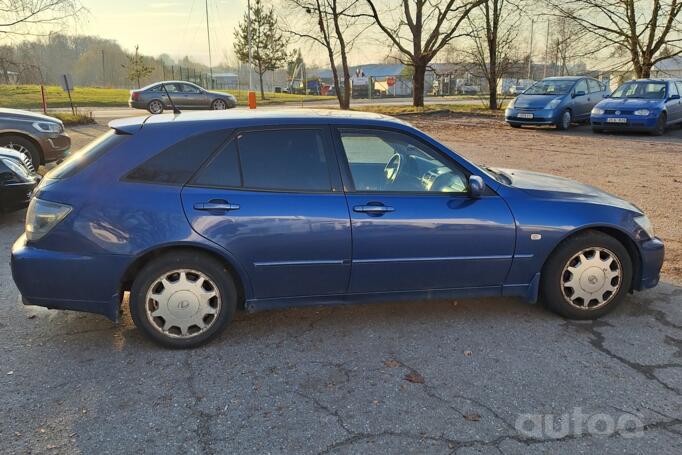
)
(373, 209)
(216, 206)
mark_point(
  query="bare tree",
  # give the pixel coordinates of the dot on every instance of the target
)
(641, 28)
(566, 45)
(27, 17)
(423, 29)
(494, 28)
(334, 25)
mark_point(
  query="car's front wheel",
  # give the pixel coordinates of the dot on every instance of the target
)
(218, 105)
(587, 276)
(183, 299)
(155, 107)
(22, 145)
(659, 129)
(564, 121)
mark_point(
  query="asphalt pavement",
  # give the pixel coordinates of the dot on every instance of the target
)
(476, 376)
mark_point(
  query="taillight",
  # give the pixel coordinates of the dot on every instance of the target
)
(42, 216)
(134, 96)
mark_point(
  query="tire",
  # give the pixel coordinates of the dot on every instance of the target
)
(659, 129)
(155, 107)
(597, 130)
(564, 121)
(219, 105)
(172, 320)
(26, 146)
(515, 125)
(605, 284)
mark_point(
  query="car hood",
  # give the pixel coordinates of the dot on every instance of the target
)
(16, 114)
(223, 94)
(548, 186)
(628, 103)
(534, 101)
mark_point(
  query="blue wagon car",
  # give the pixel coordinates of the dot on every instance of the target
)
(641, 105)
(557, 101)
(199, 215)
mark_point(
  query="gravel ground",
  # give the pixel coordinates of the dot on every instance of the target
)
(476, 376)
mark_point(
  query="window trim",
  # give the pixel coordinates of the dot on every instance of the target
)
(330, 158)
(347, 176)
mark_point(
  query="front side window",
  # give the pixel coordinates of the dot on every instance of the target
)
(595, 86)
(388, 161)
(641, 89)
(673, 89)
(187, 88)
(581, 87)
(284, 160)
(550, 87)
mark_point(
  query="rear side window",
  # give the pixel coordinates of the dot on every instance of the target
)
(223, 170)
(284, 160)
(87, 155)
(595, 86)
(176, 164)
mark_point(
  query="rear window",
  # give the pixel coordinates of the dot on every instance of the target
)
(176, 164)
(87, 155)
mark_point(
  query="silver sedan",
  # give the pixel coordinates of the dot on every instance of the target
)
(185, 95)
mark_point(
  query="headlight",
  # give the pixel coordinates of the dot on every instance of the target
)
(553, 104)
(42, 216)
(645, 223)
(642, 112)
(16, 167)
(511, 104)
(597, 111)
(48, 127)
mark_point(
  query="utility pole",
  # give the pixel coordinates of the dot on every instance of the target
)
(544, 71)
(248, 7)
(208, 34)
(104, 74)
(530, 52)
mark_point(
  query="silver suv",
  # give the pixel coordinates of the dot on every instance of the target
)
(38, 136)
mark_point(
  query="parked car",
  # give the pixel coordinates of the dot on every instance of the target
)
(185, 95)
(201, 214)
(17, 180)
(38, 136)
(468, 90)
(557, 101)
(641, 105)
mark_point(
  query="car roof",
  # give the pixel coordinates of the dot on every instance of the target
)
(660, 79)
(253, 117)
(564, 78)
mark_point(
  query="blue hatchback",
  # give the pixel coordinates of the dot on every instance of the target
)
(198, 215)
(640, 105)
(557, 101)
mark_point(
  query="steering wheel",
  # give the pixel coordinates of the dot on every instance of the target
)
(392, 168)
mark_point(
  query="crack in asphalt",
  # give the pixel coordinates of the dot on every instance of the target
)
(202, 417)
(597, 341)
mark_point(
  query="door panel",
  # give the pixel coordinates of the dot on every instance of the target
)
(430, 242)
(289, 244)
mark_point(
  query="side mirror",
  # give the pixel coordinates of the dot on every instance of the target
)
(580, 93)
(673, 97)
(476, 186)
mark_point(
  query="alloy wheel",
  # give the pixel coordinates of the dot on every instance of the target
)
(219, 105)
(155, 107)
(591, 278)
(182, 303)
(566, 120)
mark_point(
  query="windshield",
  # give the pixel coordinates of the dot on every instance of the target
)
(644, 89)
(550, 87)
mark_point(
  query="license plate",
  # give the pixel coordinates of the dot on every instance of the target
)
(524, 115)
(616, 120)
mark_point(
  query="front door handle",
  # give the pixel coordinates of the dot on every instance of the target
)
(216, 206)
(373, 209)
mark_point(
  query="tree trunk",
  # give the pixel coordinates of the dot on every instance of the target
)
(418, 84)
(260, 78)
(492, 96)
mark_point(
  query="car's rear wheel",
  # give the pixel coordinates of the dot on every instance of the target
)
(155, 107)
(183, 299)
(659, 129)
(22, 145)
(587, 276)
(515, 125)
(564, 121)
(218, 105)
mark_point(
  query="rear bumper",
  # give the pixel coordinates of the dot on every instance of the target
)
(68, 281)
(653, 253)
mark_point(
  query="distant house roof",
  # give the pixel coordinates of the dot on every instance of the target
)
(669, 64)
(370, 70)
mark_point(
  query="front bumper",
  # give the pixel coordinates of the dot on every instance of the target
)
(54, 146)
(653, 253)
(540, 116)
(68, 281)
(16, 196)
(632, 122)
